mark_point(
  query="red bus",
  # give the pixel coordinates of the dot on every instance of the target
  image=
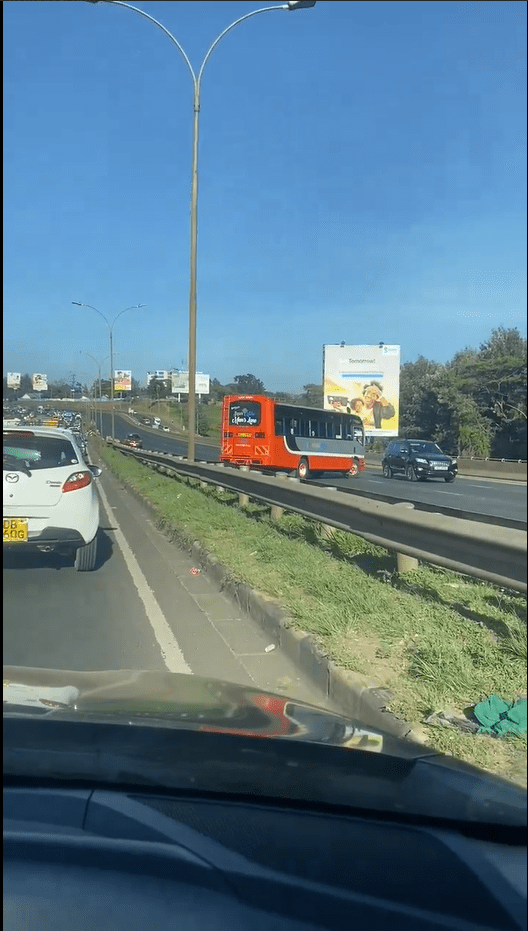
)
(265, 434)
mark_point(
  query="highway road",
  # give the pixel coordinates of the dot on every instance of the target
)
(142, 608)
(506, 500)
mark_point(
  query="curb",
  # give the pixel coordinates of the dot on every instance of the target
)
(351, 693)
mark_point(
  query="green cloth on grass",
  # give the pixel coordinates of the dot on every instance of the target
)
(501, 717)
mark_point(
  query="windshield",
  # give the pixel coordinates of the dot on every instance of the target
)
(327, 280)
(428, 449)
(37, 452)
(244, 414)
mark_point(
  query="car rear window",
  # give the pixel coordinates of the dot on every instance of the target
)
(39, 452)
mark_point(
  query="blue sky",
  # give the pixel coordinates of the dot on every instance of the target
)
(362, 178)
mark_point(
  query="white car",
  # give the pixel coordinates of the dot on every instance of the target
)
(50, 499)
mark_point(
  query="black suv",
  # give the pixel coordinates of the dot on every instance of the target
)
(418, 460)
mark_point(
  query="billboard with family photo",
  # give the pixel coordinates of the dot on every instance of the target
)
(364, 380)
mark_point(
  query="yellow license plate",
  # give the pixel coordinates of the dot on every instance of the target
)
(15, 530)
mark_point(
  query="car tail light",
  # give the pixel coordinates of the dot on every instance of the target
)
(77, 480)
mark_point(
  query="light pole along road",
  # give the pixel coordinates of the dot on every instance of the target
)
(197, 84)
(99, 367)
(111, 331)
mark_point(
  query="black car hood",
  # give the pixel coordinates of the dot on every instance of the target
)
(185, 702)
(185, 733)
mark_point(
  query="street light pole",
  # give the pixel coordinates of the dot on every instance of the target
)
(111, 331)
(99, 367)
(197, 84)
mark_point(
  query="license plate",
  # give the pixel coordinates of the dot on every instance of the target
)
(444, 467)
(15, 530)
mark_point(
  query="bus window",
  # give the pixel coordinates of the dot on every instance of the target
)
(279, 427)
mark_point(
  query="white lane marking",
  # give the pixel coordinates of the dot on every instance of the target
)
(170, 650)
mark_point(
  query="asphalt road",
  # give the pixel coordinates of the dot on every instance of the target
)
(467, 495)
(142, 608)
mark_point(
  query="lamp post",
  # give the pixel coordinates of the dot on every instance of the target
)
(111, 332)
(99, 367)
(197, 85)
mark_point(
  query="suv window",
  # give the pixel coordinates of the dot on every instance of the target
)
(39, 452)
(429, 449)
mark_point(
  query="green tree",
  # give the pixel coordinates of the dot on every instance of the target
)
(217, 391)
(60, 389)
(158, 388)
(312, 395)
(26, 384)
(495, 378)
(418, 406)
(460, 425)
(249, 384)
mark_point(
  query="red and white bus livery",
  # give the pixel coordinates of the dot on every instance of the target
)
(268, 435)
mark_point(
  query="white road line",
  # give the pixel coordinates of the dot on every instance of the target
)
(170, 650)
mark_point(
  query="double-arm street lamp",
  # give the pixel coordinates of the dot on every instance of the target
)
(197, 84)
(111, 332)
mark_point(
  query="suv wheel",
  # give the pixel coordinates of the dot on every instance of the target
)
(449, 478)
(86, 556)
(410, 474)
(386, 469)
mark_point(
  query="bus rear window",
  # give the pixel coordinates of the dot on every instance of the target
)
(244, 414)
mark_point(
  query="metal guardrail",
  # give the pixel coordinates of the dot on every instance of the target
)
(495, 554)
(495, 520)
(511, 470)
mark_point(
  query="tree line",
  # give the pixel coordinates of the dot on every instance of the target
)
(473, 405)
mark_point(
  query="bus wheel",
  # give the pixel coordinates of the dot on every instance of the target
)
(302, 470)
(354, 468)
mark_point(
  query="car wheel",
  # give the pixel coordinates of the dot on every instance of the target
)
(449, 478)
(387, 471)
(86, 556)
(410, 474)
(303, 471)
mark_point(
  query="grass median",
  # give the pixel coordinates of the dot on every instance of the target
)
(437, 640)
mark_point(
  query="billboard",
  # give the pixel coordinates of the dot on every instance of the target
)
(180, 383)
(40, 382)
(13, 380)
(123, 380)
(364, 380)
(159, 375)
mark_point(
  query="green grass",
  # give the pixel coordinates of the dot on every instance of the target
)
(438, 641)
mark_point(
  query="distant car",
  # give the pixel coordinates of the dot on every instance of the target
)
(134, 439)
(418, 460)
(166, 429)
(50, 500)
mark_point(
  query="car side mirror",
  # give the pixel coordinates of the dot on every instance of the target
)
(95, 470)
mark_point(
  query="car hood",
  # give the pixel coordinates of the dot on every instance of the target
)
(187, 702)
(182, 732)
